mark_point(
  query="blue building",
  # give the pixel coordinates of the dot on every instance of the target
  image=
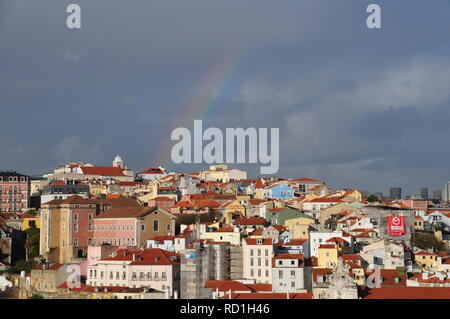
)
(279, 191)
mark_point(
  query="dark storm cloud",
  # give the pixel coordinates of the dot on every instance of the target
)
(355, 107)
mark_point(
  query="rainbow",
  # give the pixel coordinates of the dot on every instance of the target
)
(224, 77)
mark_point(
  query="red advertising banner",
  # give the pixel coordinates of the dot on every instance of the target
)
(396, 226)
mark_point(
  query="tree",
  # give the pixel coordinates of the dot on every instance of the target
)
(32, 242)
(372, 198)
(22, 265)
(427, 241)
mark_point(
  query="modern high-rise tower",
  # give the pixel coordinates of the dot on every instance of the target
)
(395, 193)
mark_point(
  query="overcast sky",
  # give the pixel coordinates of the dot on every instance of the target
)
(356, 107)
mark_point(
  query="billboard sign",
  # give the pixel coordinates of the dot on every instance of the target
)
(396, 226)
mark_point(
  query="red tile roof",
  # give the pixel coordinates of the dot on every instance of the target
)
(52, 267)
(125, 212)
(102, 171)
(260, 295)
(250, 221)
(252, 241)
(408, 293)
(149, 256)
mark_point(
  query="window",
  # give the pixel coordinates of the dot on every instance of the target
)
(75, 242)
(155, 225)
(142, 227)
(251, 262)
(134, 276)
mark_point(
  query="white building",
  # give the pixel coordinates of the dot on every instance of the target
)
(151, 174)
(257, 259)
(288, 273)
(318, 238)
(152, 268)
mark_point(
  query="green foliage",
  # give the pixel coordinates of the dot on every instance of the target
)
(372, 198)
(32, 242)
(35, 296)
(427, 241)
(22, 265)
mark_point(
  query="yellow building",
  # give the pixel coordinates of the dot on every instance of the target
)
(224, 234)
(327, 256)
(426, 260)
(299, 227)
(419, 224)
(350, 195)
(222, 173)
(231, 207)
(29, 221)
(98, 189)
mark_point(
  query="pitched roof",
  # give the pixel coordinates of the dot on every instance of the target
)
(149, 256)
(295, 242)
(253, 241)
(262, 295)
(125, 212)
(152, 171)
(408, 293)
(102, 170)
(51, 267)
(249, 221)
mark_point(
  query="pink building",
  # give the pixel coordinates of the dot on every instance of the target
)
(115, 231)
(14, 192)
(132, 226)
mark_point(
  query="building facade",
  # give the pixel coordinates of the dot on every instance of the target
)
(14, 192)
